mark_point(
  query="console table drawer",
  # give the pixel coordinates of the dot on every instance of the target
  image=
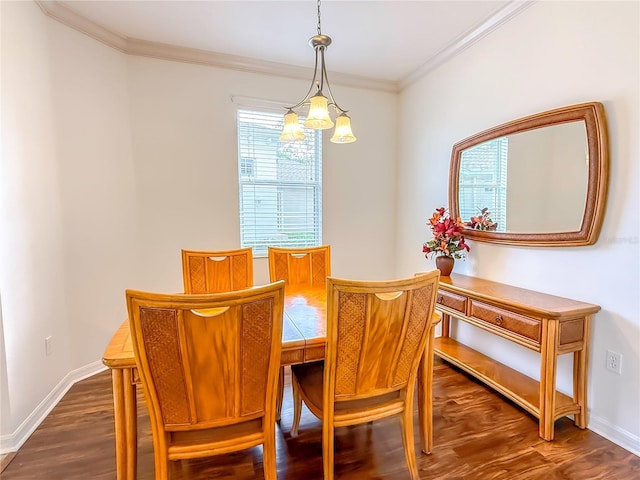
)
(451, 300)
(525, 326)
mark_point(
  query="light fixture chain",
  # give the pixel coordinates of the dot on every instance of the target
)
(319, 30)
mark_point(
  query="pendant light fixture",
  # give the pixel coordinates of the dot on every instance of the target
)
(318, 116)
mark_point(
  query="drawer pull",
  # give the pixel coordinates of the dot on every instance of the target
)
(499, 320)
(440, 299)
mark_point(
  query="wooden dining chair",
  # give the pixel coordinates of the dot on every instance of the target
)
(376, 336)
(209, 367)
(300, 267)
(212, 271)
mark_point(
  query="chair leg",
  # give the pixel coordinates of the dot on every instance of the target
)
(328, 439)
(163, 472)
(269, 458)
(280, 394)
(408, 443)
(161, 461)
(297, 405)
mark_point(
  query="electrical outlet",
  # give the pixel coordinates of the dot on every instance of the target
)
(48, 345)
(614, 362)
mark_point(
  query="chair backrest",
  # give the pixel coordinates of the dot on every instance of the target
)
(208, 360)
(212, 271)
(300, 267)
(376, 334)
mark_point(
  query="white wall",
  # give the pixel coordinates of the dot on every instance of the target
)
(551, 55)
(67, 213)
(5, 409)
(96, 172)
(32, 273)
(185, 148)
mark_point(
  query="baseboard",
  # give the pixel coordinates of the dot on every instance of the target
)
(12, 442)
(617, 435)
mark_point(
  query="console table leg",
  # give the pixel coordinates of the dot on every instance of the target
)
(549, 360)
(445, 325)
(580, 365)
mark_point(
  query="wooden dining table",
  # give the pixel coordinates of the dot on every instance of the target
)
(303, 340)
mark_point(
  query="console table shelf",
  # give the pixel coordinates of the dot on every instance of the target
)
(545, 323)
(523, 390)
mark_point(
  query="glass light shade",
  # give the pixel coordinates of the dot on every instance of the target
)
(291, 131)
(343, 133)
(318, 117)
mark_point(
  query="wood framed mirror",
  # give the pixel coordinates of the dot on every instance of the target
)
(539, 181)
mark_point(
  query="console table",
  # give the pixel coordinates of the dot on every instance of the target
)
(545, 323)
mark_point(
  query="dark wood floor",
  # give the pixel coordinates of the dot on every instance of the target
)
(478, 435)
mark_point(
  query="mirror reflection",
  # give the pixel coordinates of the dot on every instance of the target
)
(539, 180)
(533, 181)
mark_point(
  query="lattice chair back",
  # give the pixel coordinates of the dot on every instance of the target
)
(300, 267)
(209, 367)
(380, 330)
(212, 271)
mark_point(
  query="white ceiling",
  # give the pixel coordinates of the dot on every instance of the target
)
(382, 40)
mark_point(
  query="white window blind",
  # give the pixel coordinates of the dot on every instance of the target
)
(280, 184)
(483, 181)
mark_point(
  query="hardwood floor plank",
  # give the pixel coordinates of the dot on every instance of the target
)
(477, 435)
(5, 460)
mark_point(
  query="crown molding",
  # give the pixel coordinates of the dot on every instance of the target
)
(68, 17)
(467, 39)
(176, 53)
(144, 48)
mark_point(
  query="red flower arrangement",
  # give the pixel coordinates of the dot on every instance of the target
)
(482, 221)
(448, 239)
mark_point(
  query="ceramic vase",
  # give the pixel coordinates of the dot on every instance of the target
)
(445, 265)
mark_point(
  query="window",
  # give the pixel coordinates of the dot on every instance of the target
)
(280, 184)
(246, 167)
(483, 181)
